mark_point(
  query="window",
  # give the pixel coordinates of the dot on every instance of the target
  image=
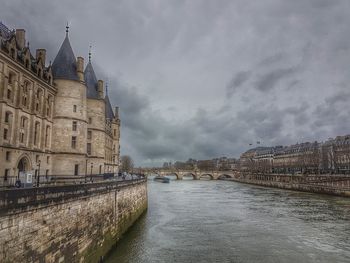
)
(9, 94)
(90, 120)
(89, 135)
(115, 132)
(74, 108)
(47, 134)
(8, 155)
(7, 117)
(13, 53)
(5, 134)
(7, 174)
(74, 142)
(74, 126)
(23, 122)
(11, 78)
(36, 158)
(21, 136)
(36, 133)
(48, 159)
(76, 169)
(89, 148)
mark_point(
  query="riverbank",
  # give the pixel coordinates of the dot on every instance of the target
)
(338, 185)
(71, 223)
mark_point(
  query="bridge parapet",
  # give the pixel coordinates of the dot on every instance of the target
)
(196, 174)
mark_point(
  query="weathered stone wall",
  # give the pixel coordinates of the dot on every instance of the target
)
(323, 184)
(75, 223)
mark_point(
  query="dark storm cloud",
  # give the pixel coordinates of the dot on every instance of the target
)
(269, 80)
(237, 81)
(169, 65)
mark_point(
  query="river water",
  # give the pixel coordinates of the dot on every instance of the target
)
(223, 221)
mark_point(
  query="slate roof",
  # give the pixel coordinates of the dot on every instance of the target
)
(109, 111)
(65, 65)
(91, 82)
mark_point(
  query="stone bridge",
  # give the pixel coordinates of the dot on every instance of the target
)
(195, 174)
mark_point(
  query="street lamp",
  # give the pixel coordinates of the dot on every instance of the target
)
(92, 165)
(38, 181)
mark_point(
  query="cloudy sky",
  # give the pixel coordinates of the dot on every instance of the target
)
(205, 78)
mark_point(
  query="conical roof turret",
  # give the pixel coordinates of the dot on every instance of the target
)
(108, 110)
(90, 81)
(65, 65)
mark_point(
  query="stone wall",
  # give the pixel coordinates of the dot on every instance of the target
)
(323, 184)
(75, 223)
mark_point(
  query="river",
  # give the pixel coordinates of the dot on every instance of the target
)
(223, 221)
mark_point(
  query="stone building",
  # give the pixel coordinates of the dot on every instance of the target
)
(55, 120)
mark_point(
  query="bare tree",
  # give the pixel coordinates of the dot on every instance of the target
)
(127, 164)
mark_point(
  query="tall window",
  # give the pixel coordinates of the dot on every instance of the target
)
(89, 135)
(47, 135)
(74, 108)
(74, 126)
(21, 137)
(36, 133)
(7, 117)
(25, 93)
(7, 174)
(90, 120)
(5, 134)
(76, 169)
(89, 148)
(115, 132)
(8, 156)
(74, 142)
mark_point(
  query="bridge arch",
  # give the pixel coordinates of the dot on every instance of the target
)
(172, 174)
(206, 175)
(188, 174)
(225, 176)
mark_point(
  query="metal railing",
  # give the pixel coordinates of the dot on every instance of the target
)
(53, 180)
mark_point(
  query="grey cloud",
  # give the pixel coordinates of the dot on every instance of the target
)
(269, 80)
(170, 65)
(238, 80)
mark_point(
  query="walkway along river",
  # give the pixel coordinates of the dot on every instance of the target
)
(221, 221)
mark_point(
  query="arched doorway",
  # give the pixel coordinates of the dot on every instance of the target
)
(23, 166)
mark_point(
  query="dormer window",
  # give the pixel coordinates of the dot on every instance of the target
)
(26, 64)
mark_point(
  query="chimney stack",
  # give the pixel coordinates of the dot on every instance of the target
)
(80, 68)
(100, 89)
(41, 53)
(21, 38)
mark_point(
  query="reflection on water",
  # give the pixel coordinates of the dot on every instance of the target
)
(220, 221)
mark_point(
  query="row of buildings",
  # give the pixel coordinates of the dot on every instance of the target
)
(55, 119)
(332, 156)
(216, 164)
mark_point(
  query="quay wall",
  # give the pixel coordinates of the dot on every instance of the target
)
(71, 223)
(323, 184)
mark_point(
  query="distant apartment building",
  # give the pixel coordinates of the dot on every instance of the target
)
(332, 156)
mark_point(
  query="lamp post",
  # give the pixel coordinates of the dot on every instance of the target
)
(86, 167)
(38, 181)
(92, 165)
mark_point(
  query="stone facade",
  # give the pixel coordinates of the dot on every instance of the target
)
(75, 223)
(50, 124)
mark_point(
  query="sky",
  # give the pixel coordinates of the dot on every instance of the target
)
(203, 78)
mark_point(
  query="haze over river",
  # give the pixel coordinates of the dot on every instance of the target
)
(222, 221)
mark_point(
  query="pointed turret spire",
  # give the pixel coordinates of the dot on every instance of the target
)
(67, 29)
(90, 80)
(64, 65)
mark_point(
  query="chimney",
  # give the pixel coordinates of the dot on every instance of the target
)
(116, 112)
(21, 38)
(100, 89)
(80, 68)
(41, 53)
